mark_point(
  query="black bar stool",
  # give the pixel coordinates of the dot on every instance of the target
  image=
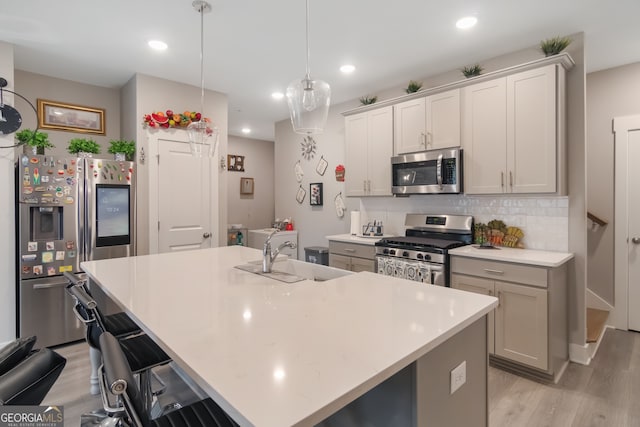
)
(29, 381)
(141, 352)
(119, 324)
(119, 381)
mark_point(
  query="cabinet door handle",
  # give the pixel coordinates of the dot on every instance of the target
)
(429, 139)
(511, 178)
(423, 139)
(490, 292)
(499, 299)
(351, 251)
(369, 186)
(364, 186)
(501, 179)
(488, 270)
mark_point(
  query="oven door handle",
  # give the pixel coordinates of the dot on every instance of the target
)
(439, 171)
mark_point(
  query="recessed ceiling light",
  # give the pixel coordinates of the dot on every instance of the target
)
(466, 22)
(348, 68)
(157, 45)
(277, 95)
(246, 130)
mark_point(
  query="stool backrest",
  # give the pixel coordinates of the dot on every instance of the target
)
(120, 381)
(86, 309)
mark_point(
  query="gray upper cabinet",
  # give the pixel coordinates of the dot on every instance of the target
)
(427, 123)
(511, 137)
(369, 146)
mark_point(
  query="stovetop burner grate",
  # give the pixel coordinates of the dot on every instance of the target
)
(417, 243)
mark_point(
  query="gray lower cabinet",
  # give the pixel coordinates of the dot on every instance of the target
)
(528, 329)
(351, 256)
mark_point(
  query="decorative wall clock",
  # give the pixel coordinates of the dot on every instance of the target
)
(308, 146)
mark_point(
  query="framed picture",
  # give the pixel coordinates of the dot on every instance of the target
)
(315, 194)
(70, 118)
(235, 163)
(246, 185)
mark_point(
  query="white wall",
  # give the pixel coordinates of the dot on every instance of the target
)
(7, 221)
(255, 210)
(312, 222)
(154, 94)
(610, 93)
(36, 86)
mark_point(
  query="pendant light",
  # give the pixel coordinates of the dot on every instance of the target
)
(203, 140)
(308, 99)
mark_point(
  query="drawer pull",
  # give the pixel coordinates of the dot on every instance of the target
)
(349, 250)
(488, 270)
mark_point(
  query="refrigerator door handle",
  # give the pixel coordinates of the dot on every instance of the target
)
(49, 285)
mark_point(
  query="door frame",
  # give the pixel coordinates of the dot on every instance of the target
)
(621, 128)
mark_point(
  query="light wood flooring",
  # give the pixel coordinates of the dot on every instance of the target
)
(602, 394)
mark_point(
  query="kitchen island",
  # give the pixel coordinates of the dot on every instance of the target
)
(354, 349)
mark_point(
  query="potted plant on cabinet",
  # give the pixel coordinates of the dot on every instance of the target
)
(37, 141)
(368, 100)
(413, 86)
(554, 45)
(472, 70)
(83, 145)
(123, 150)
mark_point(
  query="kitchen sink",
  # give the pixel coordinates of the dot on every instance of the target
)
(291, 271)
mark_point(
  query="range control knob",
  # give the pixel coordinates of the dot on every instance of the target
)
(392, 252)
(385, 251)
(405, 254)
(427, 257)
(420, 256)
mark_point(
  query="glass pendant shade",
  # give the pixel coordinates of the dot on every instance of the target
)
(309, 102)
(203, 140)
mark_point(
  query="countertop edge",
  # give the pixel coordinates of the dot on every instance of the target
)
(535, 257)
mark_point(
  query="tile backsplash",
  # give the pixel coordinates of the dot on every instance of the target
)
(544, 220)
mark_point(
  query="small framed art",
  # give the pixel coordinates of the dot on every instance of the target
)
(315, 194)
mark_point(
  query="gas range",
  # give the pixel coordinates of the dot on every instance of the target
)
(422, 253)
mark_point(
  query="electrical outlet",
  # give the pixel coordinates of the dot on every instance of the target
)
(458, 376)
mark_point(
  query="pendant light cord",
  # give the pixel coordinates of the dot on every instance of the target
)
(202, 6)
(307, 34)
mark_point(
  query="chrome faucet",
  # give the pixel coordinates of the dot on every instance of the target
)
(268, 256)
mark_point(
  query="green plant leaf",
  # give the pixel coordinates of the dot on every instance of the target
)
(83, 145)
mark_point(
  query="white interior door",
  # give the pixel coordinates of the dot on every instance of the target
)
(184, 198)
(627, 222)
(633, 246)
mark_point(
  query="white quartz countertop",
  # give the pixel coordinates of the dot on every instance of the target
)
(520, 256)
(360, 240)
(275, 354)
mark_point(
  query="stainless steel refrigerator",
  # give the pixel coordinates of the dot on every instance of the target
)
(68, 210)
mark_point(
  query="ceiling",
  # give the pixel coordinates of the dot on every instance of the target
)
(256, 47)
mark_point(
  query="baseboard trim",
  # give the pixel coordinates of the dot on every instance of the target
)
(579, 353)
(583, 354)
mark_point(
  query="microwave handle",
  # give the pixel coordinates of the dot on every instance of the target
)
(439, 171)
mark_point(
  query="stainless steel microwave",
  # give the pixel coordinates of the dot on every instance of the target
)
(427, 172)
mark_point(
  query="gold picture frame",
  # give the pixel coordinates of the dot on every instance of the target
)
(70, 118)
(246, 185)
